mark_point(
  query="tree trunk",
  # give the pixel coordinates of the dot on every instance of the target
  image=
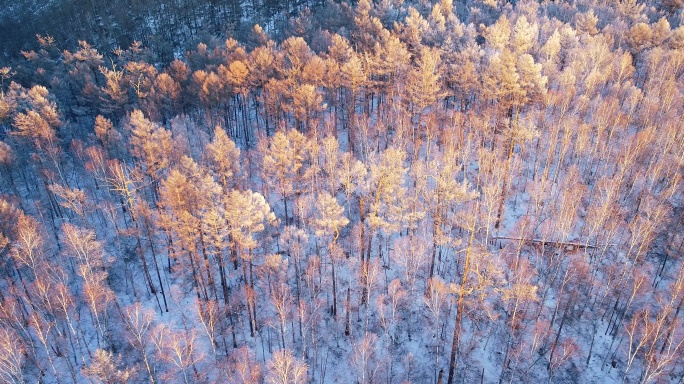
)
(459, 311)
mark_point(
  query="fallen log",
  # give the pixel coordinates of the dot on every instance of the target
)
(555, 243)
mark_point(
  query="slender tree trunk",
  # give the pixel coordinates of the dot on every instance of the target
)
(560, 329)
(347, 326)
(334, 288)
(502, 198)
(459, 310)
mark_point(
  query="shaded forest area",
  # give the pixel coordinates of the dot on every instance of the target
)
(166, 27)
(394, 192)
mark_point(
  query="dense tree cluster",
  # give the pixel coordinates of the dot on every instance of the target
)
(425, 192)
(167, 27)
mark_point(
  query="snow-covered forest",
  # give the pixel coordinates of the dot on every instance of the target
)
(388, 192)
